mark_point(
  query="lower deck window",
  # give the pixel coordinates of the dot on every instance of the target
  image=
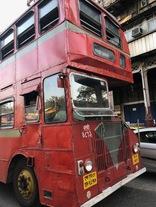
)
(31, 107)
(7, 114)
(54, 100)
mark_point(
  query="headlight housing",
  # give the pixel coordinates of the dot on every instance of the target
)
(136, 148)
(88, 165)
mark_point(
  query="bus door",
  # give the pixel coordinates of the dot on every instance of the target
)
(56, 132)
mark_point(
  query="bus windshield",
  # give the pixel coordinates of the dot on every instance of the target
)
(90, 96)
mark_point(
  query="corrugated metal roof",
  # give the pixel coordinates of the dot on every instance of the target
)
(143, 45)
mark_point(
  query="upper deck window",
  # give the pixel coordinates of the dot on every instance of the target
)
(7, 44)
(112, 33)
(25, 30)
(103, 52)
(90, 17)
(48, 14)
(122, 61)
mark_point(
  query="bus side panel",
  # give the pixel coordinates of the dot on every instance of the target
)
(48, 51)
(3, 171)
(72, 11)
(8, 146)
(52, 49)
(7, 69)
(58, 173)
(81, 48)
(26, 63)
(55, 179)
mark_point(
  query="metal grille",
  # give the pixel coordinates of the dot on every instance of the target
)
(108, 144)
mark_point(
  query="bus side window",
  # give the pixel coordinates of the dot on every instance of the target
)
(112, 33)
(48, 14)
(54, 101)
(25, 29)
(7, 43)
(31, 109)
(7, 114)
(90, 17)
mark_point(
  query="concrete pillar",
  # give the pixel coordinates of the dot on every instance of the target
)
(145, 87)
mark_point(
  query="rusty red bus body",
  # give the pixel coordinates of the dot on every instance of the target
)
(58, 151)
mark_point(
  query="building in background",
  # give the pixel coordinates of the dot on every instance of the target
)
(137, 102)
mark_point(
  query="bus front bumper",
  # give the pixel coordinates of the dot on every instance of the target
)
(112, 189)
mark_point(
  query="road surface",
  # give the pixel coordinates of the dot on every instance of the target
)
(139, 193)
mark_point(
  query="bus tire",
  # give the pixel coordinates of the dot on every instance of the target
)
(25, 185)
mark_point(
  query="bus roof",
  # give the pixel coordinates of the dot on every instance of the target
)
(37, 1)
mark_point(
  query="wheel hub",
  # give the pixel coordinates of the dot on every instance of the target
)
(25, 184)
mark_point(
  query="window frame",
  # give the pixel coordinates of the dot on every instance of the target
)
(11, 99)
(65, 97)
(75, 108)
(122, 60)
(104, 48)
(86, 28)
(112, 33)
(144, 139)
(49, 26)
(21, 21)
(2, 38)
(143, 4)
(37, 97)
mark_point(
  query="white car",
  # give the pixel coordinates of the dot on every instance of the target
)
(147, 138)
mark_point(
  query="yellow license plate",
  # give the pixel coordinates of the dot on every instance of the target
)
(89, 180)
(135, 159)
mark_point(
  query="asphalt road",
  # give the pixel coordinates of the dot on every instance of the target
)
(6, 196)
(139, 193)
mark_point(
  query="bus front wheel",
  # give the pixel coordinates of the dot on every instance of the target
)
(25, 185)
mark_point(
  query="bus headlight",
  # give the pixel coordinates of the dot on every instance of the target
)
(88, 165)
(136, 148)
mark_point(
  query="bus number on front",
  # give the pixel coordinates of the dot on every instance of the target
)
(86, 133)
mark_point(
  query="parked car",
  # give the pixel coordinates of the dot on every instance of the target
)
(147, 138)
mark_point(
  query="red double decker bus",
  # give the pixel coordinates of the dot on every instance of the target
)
(60, 143)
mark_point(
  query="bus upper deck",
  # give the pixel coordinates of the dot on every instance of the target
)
(76, 33)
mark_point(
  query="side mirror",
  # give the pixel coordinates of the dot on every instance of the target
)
(60, 82)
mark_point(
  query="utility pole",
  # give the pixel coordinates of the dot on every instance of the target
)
(148, 114)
